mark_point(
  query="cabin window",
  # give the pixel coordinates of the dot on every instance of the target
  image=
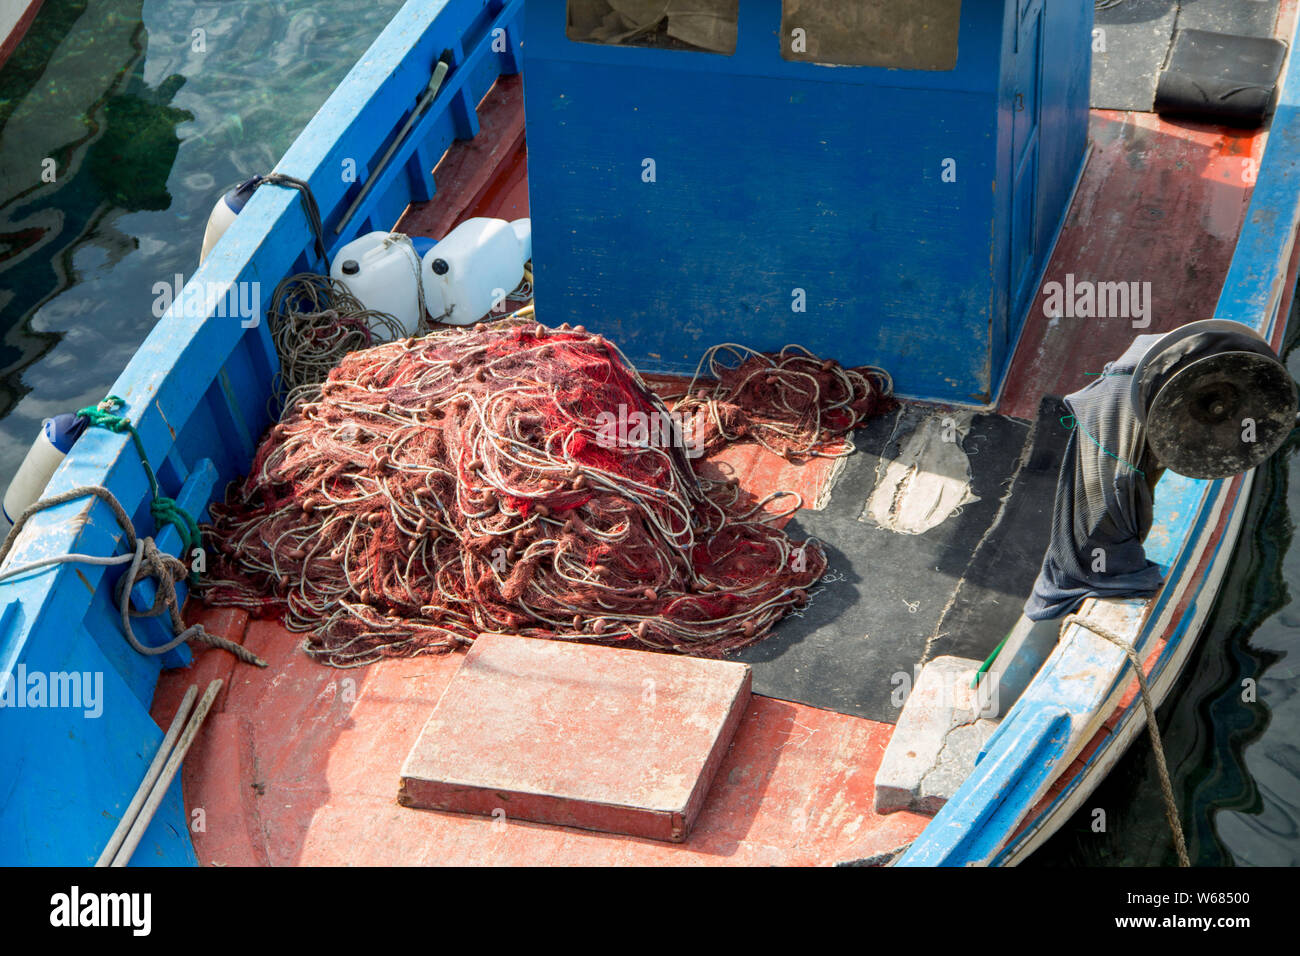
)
(901, 34)
(701, 25)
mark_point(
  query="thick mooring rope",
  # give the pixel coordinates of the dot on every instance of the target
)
(470, 481)
(164, 510)
(146, 561)
(1157, 745)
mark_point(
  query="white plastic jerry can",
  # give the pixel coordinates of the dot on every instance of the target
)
(50, 448)
(472, 269)
(382, 270)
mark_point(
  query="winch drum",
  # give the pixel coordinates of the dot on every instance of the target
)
(1214, 398)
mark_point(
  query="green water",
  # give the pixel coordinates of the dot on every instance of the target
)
(147, 110)
(147, 121)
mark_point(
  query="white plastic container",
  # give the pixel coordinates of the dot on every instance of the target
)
(382, 271)
(50, 448)
(473, 268)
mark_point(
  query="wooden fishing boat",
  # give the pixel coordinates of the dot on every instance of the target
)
(300, 763)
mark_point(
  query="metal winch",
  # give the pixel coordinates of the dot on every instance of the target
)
(1214, 399)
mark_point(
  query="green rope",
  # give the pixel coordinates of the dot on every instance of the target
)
(163, 509)
(1070, 421)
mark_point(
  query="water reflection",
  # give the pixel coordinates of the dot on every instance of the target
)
(148, 110)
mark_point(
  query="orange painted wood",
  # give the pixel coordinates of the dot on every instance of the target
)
(301, 761)
(483, 176)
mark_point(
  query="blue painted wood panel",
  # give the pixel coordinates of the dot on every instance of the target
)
(778, 184)
(198, 391)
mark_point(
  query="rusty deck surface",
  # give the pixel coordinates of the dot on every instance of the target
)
(1159, 202)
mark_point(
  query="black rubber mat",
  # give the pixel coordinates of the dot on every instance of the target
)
(1001, 573)
(1137, 34)
(1220, 78)
(955, 589)
(1247, 18)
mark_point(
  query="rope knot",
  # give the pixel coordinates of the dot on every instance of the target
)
(163, 509)
(167, 571)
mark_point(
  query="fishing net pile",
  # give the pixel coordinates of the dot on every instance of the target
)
(792, 403)
(511, 478)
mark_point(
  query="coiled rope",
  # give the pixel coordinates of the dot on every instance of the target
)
(145, 560)
(315, 321)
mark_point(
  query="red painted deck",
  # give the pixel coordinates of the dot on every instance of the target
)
(299, 763)
(1160, 202)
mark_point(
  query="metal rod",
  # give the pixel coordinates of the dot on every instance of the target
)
(435, 83)
(164, 781)
(146, 785)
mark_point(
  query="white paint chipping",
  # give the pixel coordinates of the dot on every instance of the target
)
(928, 482)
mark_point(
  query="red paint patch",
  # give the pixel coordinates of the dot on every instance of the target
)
(1160, 202)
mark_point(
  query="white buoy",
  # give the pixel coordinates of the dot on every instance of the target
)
(470, 271)
(524, 233)
(383, 271)
(50, 448)
(224, 212)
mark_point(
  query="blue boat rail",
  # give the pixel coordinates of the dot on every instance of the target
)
(196, 392)
(1059, 713)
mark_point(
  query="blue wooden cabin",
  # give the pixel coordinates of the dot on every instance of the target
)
(881, 184)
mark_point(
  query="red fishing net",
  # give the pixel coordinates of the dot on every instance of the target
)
(791, 402)
(518, 479)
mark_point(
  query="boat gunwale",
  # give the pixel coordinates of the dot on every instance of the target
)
(1188, 512)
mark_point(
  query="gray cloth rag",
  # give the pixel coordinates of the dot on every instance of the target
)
(1103, 506)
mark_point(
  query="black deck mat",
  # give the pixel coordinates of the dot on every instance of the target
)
(1129, 50)
(958, 587)
(1220, 78)
(1137, 34)
(1001, 573)
(1246, 18)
